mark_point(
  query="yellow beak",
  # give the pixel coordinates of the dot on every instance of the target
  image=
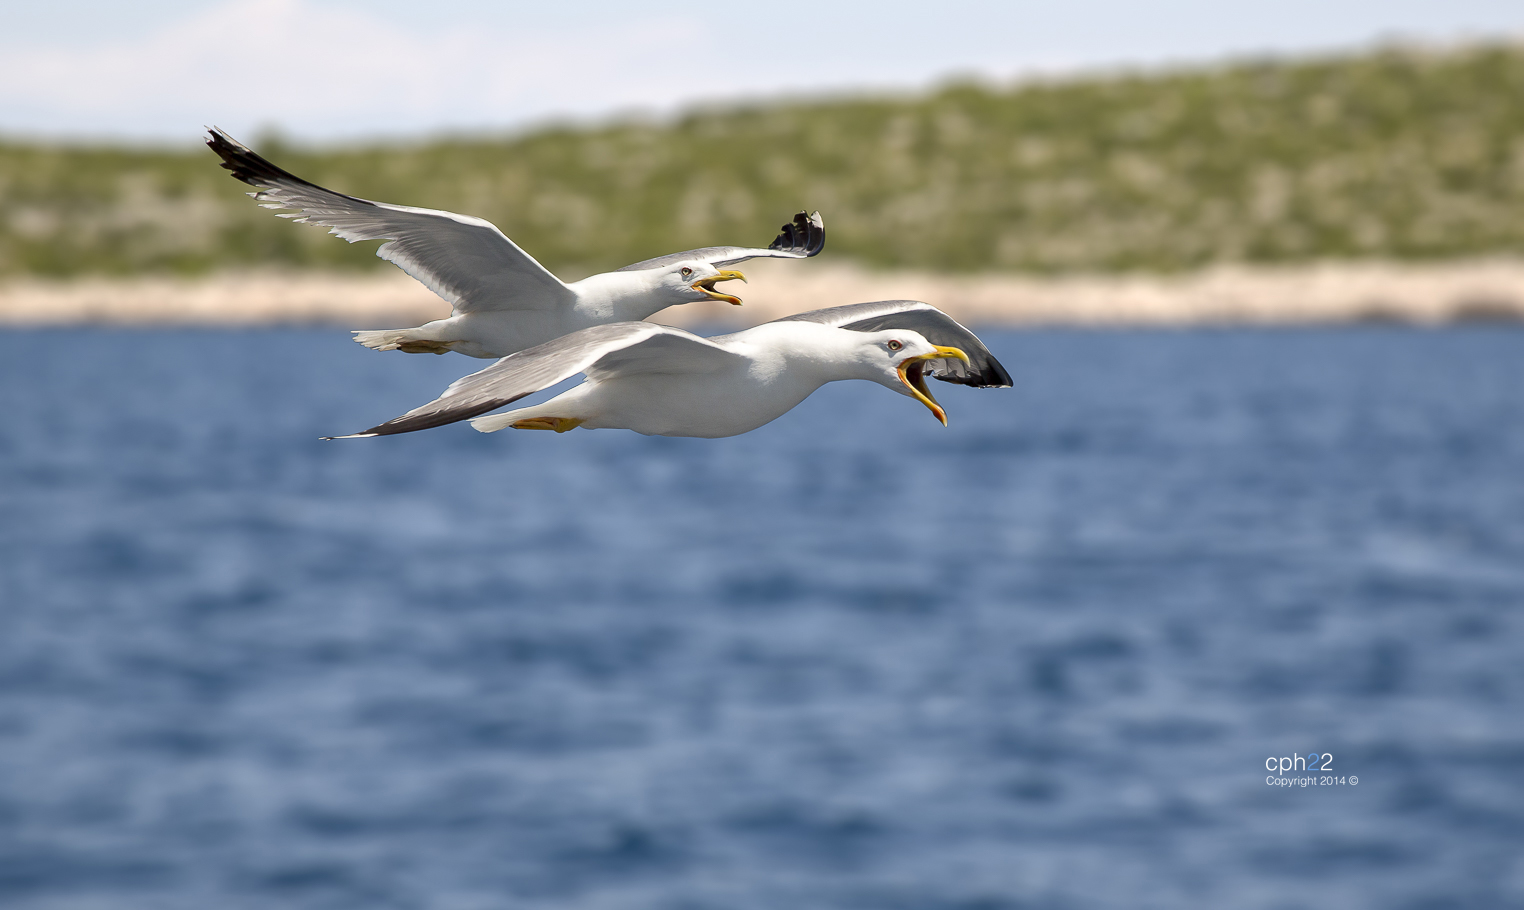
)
(912, 374)
(707, 286)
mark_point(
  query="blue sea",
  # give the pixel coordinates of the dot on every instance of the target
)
(1043, 658)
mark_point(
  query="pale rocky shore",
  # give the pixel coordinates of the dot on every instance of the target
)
(1420, 294)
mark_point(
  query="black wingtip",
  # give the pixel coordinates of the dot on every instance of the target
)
(255, 170)
(411, 423)
(804, 235)
(246, 164)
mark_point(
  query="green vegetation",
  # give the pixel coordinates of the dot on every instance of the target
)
(1399, 154)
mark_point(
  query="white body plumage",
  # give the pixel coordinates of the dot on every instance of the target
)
(774, 367)
(599, 299)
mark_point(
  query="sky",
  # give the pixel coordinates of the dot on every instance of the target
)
(331, 71)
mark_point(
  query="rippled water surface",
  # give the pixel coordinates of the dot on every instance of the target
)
(850, 660)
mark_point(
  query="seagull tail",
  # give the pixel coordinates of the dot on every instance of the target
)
(531, 418)
(494, 422)
(406, 340)
(382, 339)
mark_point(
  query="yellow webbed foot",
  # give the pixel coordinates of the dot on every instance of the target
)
(425, 347)
(559, 424)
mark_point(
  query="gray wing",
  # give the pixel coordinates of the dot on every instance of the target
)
(600, 351)
(983, 370)
(802, 238)
(465, 260)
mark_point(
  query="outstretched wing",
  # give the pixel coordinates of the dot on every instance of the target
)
(617, 348)
(802, 238)
(982, 371)
(465, 260)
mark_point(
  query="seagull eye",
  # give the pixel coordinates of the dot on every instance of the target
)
(687, 271)
(895, 345)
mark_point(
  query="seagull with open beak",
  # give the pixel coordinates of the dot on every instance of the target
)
(663, 381)
(502, 299)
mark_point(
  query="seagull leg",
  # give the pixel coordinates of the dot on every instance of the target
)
(559, 424)
(425, 347)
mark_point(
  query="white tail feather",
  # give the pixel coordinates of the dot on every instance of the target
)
(494, 422)
(383, 339)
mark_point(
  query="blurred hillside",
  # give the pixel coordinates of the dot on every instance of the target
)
(1391, 154)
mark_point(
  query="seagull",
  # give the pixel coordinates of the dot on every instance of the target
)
(503, 300)
(663, 381)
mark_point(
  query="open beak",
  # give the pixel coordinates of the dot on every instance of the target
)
(913, 374)
(707, 286)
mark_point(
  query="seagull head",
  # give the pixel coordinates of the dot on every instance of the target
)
(694, 280)
(902, 359)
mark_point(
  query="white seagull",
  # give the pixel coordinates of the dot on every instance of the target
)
(503, 300)
(662, 381)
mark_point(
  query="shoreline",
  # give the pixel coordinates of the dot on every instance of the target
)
(1314, 294)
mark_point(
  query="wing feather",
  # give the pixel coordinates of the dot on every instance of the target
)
(800, 239)
(600, 351)
(465, 260)
(983, 370)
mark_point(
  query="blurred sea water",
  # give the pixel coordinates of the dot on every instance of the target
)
(851, 660)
